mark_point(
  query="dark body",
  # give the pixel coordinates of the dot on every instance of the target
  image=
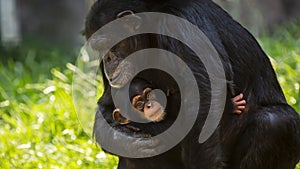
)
(265, 136)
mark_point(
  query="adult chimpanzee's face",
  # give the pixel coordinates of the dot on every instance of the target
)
(116, 70)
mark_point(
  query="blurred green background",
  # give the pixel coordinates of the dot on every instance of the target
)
(40, 42)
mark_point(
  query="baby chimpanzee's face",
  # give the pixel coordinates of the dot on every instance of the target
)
(143, 100)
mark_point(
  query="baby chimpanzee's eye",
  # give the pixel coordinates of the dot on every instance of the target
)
(139, 105)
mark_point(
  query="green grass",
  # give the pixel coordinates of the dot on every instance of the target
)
(284, 49)
(38, 122)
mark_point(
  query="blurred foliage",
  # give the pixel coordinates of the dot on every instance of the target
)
(38, 121)
(283, 46)
(38, 52)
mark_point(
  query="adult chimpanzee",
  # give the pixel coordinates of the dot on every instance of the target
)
(265, 136)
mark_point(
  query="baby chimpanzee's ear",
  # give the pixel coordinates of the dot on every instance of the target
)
(119, 118)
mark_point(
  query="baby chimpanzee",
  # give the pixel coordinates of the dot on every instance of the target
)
(144, 100)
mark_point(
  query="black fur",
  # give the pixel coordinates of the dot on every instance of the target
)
(265, 136)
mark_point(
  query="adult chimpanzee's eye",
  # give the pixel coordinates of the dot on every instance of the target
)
(109, 57)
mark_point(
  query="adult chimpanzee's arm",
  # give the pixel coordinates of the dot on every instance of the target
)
(270, 128)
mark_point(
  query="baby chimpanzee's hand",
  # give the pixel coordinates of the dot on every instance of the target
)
(239, 104)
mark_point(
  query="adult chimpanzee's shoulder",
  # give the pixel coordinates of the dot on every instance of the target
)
(252, 69)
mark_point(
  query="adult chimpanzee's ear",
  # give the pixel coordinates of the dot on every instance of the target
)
(124, 13)
(133, 22)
